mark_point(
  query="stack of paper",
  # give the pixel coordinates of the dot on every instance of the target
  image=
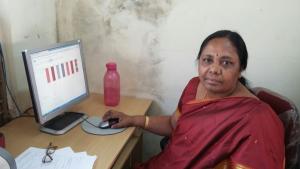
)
(64, 158)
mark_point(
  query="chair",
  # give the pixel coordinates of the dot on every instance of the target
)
(289, 115)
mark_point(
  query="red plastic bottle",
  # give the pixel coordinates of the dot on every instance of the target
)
(111, 85)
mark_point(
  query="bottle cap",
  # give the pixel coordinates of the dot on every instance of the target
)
(111, 66)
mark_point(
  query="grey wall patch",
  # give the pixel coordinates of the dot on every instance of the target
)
(125, 31)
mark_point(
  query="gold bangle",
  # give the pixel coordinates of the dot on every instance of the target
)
(146, 122)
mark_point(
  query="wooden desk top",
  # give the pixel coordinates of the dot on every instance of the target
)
(24, 132)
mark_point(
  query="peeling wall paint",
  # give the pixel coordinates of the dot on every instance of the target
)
(124, 31)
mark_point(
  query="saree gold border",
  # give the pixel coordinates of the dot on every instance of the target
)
(228, 164)
(223, 165)
(235, 165)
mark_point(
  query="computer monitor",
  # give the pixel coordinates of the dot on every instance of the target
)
(57, 80)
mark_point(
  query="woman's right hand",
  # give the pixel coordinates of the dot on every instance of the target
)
(124, 120)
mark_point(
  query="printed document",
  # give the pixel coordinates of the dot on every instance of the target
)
(64, 158)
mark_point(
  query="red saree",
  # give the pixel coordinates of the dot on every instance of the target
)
(234, 132)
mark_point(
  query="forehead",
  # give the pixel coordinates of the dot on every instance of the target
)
(220, 46)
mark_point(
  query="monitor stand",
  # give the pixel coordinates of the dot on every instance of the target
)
(63, 123)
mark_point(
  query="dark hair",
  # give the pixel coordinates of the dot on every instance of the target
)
(237, 41)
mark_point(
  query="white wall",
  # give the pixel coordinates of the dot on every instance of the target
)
(269, 28)
(25, 24)
(155, 43)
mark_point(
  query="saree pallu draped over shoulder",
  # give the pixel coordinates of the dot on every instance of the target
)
(233, 132)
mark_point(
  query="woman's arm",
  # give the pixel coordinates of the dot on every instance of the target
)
(161, 125)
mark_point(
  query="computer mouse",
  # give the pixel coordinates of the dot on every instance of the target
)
(108, 123)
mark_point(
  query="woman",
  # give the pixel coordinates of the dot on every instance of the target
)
(219, 123)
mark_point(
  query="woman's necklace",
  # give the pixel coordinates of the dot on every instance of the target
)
(204, 96)
(201, 93)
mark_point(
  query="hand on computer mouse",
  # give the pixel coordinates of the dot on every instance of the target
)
(108, 123)
(124, 120)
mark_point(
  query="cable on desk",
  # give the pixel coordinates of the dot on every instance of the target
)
(84, 119)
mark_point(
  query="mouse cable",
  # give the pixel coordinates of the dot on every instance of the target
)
(84, 119)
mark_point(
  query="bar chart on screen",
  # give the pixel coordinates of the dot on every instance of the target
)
(61, 70)
(55, 73)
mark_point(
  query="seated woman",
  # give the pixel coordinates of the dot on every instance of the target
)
(219, 123)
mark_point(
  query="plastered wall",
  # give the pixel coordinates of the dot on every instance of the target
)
(126, 32)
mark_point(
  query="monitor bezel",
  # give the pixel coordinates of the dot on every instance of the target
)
(33, 88)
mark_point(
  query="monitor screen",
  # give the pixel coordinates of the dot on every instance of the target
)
(56, 77)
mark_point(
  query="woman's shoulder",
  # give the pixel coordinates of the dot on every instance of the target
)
(264, 122)
(191, 87)
(254, 104)
(194, 81)
(261, 106)
(263, 115)
(251, 108)
(189, 91)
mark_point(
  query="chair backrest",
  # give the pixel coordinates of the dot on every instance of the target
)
(289, 115)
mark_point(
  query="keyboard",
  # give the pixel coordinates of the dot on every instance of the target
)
(64, 122)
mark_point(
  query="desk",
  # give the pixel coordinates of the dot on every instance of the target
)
(112, 151)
